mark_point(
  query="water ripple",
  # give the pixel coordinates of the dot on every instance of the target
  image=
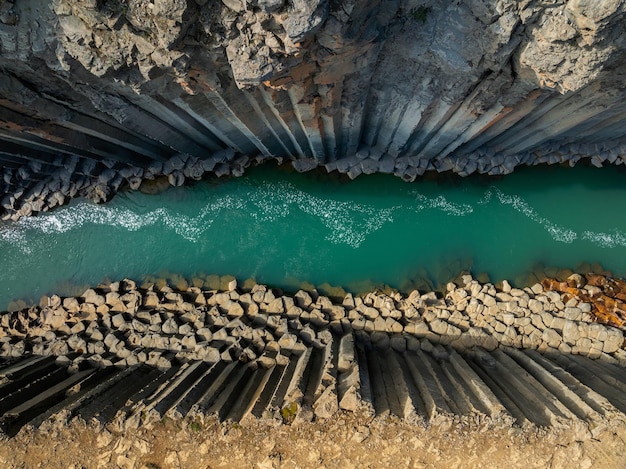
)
(558, 233)
(605, 240)
(348, 222)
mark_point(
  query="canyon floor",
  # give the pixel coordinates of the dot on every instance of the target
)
(349, 440)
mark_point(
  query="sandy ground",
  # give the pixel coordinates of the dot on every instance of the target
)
(347, 441)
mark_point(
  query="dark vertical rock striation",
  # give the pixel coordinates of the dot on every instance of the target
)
(95, 94)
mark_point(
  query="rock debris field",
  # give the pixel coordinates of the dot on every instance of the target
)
(251, 377)
(125, 355)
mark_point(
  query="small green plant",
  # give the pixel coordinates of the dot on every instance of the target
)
(195, 426)
(420, 13)
(288, 413)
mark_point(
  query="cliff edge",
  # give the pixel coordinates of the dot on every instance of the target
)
(95, 94)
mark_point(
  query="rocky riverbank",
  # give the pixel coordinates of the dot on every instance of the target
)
(130, 367)
(125, 324)
(38, 187)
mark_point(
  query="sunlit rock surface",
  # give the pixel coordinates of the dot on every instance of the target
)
(396, 86)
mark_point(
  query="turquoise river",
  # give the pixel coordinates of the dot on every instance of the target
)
(283, 228)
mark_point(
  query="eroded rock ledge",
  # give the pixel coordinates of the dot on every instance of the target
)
(523, 356)
(96, 94)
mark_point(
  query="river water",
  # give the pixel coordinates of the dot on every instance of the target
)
(283, 228)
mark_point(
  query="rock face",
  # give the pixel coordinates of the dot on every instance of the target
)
(96, 94)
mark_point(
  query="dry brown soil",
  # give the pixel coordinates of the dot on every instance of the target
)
(346, 441)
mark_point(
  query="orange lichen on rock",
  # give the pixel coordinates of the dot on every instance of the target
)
(606, 295)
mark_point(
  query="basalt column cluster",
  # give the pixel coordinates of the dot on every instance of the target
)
(96, 95)
(127, 355)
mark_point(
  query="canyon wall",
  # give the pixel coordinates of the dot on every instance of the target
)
(96, 94)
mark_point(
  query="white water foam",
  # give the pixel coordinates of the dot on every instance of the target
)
(15, 238)
(605, 240)
(348, 222)
(443, 204)
(70, 218)
(558, 233)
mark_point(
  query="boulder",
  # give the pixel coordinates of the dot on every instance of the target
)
(151, 300)
(71, 305)
(205, 334)
(418, 329)
(111, 342)
(275, 307)
(78, 327)
(552, 338)
(571, 333)
(439, 327)
(287, 341)
(77, 344)
(186, 329)
(303, 299)
(614, 340)
(326, 405)
(235, 310)
(170, 326)
(55, 321)
(335, 312)
(189, 342)
(118, 320)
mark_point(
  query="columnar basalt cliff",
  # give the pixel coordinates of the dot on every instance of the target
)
(98, 95)
(95, 94)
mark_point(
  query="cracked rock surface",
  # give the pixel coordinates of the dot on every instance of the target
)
(399, 87)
